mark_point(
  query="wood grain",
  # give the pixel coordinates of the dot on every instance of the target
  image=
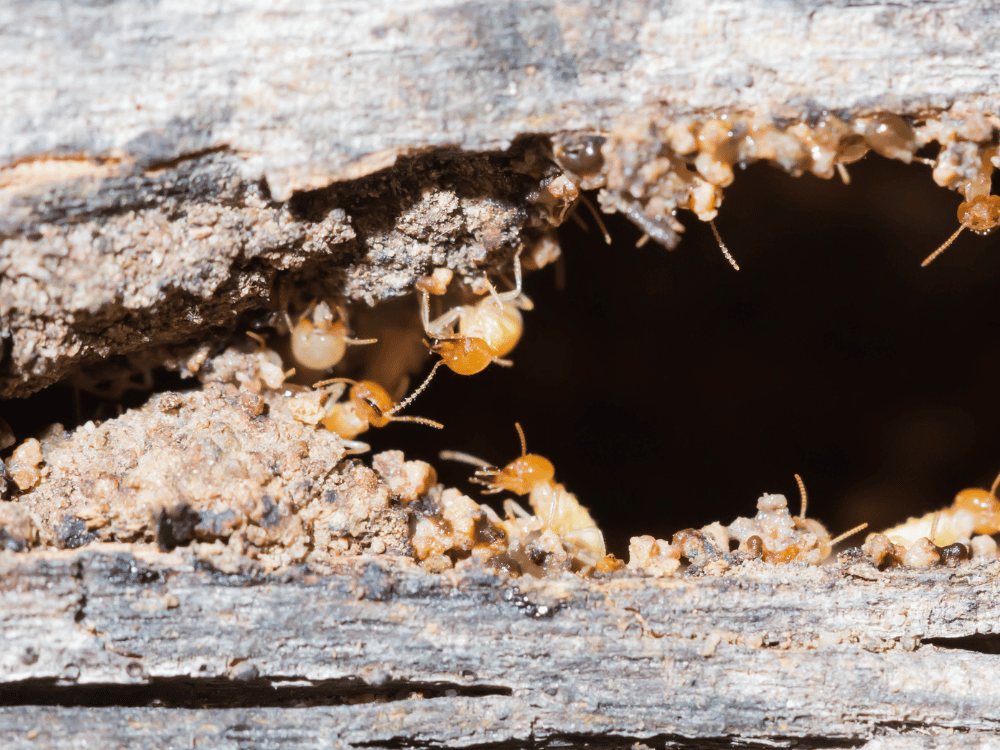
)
(843, 654)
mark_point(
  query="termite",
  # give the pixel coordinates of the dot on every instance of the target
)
(981, 215)
(320, 336)
(486, 331)
(368, 405)
(558, 509)
(791, 530)
(975, 511)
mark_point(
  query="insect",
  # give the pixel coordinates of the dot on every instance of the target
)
(975, 511)
(319, 337)
(779, 537)
(558, 509)
(368, 405)
(486, 330)
(811, 525)
(981, 215)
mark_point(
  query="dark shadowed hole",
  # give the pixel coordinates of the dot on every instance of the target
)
(980, 643)
(231, 693)
(671, 391)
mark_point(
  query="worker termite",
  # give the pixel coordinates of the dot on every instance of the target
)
(320, 336)
(367, 405)
(975, 511)
(811, 525)
(981, 215)
(558, 509)
(486, 330)
(777, 536)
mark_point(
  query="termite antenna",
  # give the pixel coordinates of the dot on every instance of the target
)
(934, 525)
(258, 338)
(524, 443)
(331, 381)
(409, 399)
(846, 534)
(517, 272)
(943, 247)
(342, 317)
(493, 292)
(802, 494)
(844, 176)
(597, 217)
(419, 420)
(465, 458)
(993, 489)
(722, 245)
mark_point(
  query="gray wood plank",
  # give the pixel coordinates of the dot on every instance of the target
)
(817, 654)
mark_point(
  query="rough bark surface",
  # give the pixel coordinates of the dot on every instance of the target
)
(150, 154)
(381, 654)
(316, 92)
(167, 169)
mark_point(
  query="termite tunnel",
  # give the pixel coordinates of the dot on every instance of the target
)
(671, 391)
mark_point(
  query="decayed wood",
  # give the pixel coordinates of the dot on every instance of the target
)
(839, 655)
(315, 92)
(163, 168)
(160, 147)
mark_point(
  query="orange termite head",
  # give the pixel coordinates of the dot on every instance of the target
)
(319, 340)
(983, 505)
(372, 402)
(368, 405)
(981, 215)
(522, 475)
(465, 355)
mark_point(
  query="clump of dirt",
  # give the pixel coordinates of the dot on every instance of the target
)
(226, 467)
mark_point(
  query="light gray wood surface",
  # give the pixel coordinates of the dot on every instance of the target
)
(839, 655)
(310, 92)
(154, 159)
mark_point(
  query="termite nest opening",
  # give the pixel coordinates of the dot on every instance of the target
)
(831, 353)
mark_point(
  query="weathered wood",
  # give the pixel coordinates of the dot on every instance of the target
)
(159, 146)
(165, 168)
(315, 92)
(816, 655)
